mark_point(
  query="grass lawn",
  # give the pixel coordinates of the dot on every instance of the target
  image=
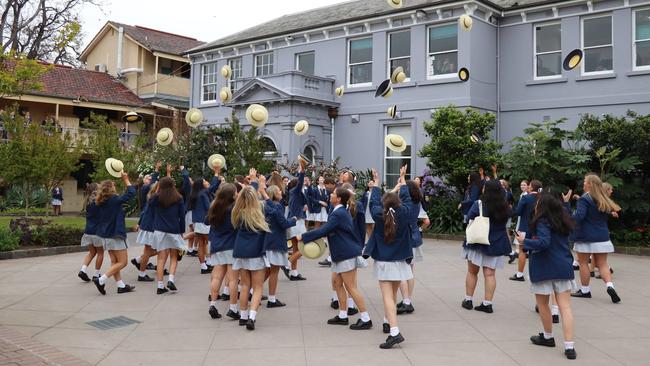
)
(68, 221)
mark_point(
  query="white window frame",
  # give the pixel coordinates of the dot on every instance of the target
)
(408, 78)
(582, 44)
(237, 72)
(428, 55)
(302, 54)
(386, 157)
(535, 54)
(634, 41)
(272, 64)
(349, 65)
(216, 73)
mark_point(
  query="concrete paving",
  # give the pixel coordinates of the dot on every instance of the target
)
(42, 298)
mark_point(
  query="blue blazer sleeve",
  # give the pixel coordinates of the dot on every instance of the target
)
(181, 217)
(473, 211)
(154, 177)
(543, 240)
(519, 209)
(301, 181)
(331, 224)
(282, 221)
(126, 197)
(405, 195)
(376, 207)
(214, 185)
(581, 210)
(187, 186)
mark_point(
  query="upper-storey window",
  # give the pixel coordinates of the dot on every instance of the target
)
(264, 64)
(642, 39)
(209, 82)
(442, 59)
(305, 62)
(236, 67)
(597, 45)
(360, 62)
(548, 50)
(399, 52)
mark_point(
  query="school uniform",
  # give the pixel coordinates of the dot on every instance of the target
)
(551, 262)
(89, 237)
(320, 194)
(146, 188)
(366, 208)
(390, 259)
(145, 234)
(414, 233)
(296, 206)
(309, 201)
(186, 190)
(275, 242)
(525, 208)
(200, 209)
(591, 234)
(249, 249)
(491, 256)
(168, 225)
(342, 238)
(472, 195)
(110, 227)
(222, 241)
(57, 196)
(360, 223)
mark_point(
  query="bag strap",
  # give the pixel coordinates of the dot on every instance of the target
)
(480, 208)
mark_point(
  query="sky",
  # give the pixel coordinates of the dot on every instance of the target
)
(205, 20)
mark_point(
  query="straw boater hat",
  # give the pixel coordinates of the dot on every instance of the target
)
(572, 60)
(257, 115)
(313, 249)
(392, 111)
(463, 74)
(225, 94)
(465, 22)
(339, 91)
(395, 4)
(226, 71)
(216, 161)
(301, 127)
(475, 137)
(398, 75)
(165, 136)
(303, 160)
(384, 89)
(115, 167)
(395, 142)
(194, 117)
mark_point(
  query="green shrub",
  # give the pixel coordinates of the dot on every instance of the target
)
(56, 236)
(38, 197)
(638, 237)
(445, 216)
(9, 240)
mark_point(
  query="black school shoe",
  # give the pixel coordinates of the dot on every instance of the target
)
(325, 263)
(100, 288)
(570, 353)
(276, 304)
(232, 315)
(576, 268)
(579, 293)
(556, 319)
(404, 309)
(171, 286)
(539, 340)
(214, 313)
(592, 274)
(338, 321)
(385, 328)
(242, 322)
(135, 264)
(125, 289)
(151, 267)
(334, 304)
(516, 278)
(287, 272)
(224, 297)
(299, 277)
(207, 270)
(467, 304)
(84, 276)
(193, 253)
(612, 293)
(513, 258)
(161, 291)
(484, 308)
(250, 324)
(391, 341)
(361, 325)
(145, 278)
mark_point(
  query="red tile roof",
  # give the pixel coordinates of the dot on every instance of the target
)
(156, 40)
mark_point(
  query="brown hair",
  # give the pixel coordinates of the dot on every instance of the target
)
(535, 185)
(276, 180)
(352, 203)
(167, 193)
(391, 203)
(91, 193)
(344, 195)
(222, 203)
(106, 191)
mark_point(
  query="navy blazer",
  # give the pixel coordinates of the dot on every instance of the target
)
(414, 211)
(92, 218)
(469, 199)
(550, 257)
(144, 190)
(111, 216)
(360, 223)
(248, 243)
(200, 210)
(591, 224)
(341, 235)
(146, 219)
(525, 208)
(319, 195)
(498, 237)
(57, 194)
(168, 219)
(222, 237)
(277, 238)
(401, 247)
(186, 188)
(297, 199)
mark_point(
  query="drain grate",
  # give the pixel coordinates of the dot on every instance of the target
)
(112, 323)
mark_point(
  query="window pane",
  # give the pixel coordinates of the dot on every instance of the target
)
(400, 44)
(598, 59)
(404, 63)
(309, 152)
(642, 25)
(444, 63)
(392, 170)
(443, 38)
(548, 38)
(306, 63)
(549, 64)
(235, 65)
(597, 31)
(360, 50)
(361, 73)
(643, 53)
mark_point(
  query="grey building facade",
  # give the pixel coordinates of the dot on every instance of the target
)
(514, 53)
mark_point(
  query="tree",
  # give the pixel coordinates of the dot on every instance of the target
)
(19, 74)
(451, 153)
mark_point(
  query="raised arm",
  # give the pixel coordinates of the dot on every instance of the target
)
(130, 189)
(581, 210)
(376, 207)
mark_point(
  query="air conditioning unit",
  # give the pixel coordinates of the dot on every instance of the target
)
(101, 68)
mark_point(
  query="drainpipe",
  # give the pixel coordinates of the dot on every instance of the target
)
(498, 130)
(332, 113)
(120, 40)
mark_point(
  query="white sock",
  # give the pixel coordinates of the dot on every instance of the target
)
(142, 273)
(385, 320)
(407, 301)
(555, 310)
(226, 290)
(350, 302)
(394, 331)
(233, 307)
(365, 316)
(84, 268)
(98, 273)
(252, 315)
(513, 253)
(575, 263)
(585, 289)
(243, 314)
(486, 303)
(102, 280)
(520, 274)
(329, 258)
(171, 277)
(343, 314)
(548, 335)
(161, 284)
(120, 284)
(610, 284)
(334, 295)
(294, 272)
(213, 303)
(204, 266)
(250, 291)
(468, 298)
(569, 344)
(271, 298)
(137, 260)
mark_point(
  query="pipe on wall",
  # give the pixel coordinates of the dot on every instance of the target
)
(120, 41)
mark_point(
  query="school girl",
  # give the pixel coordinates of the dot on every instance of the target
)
(488, 257)
(591, 235)
(524, 210)
(370, 223)
(249, 221)
(345, 249)
(296, 206)
(307, 191)
(186, 191)
(112, 231)
(472, 193)
(199, 204)
(93, 242)
(551, 269)
(321, 199)
(222, 242)
(168, 225)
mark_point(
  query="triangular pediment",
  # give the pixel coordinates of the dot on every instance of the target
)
(258, 90)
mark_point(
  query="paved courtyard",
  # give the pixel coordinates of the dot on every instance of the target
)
(42, 300)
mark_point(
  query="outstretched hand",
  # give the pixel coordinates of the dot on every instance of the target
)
(567, 197)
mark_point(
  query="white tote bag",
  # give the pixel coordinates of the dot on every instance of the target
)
(478, 230)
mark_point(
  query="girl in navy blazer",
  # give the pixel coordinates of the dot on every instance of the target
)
(168, 228)
(551, 270)
(248, 218)
(524, 210)
(90, 239)
(345, 250)
(472, 194)
(199, 204)
(489, 257)
(297, 204)
(186, 191)
(321, 198)
(112, 231)
(591, 235)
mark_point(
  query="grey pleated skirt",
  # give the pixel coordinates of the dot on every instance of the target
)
(417, 254)
(597, 247)
(144, 238)
(162, 241)
(479, 259)
(549, 286)
(250, 264)
(201, 228)
(277, 258)
(93, 240)
(222, 258)
(296, 230)
(114, 243)
(348, 265)
(392, 271)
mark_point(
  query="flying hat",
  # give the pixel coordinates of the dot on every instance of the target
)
(301, 127)
(313, 249)
(164, 136)
(303, 160)
(465, 22)
(339, 91)
(131, 117)
(289, 243)
(398, 75)
(463, 74)
(226, 71)
(115, 167)
(384, 89)
(475, 137)
(392, 111)
(225, 94)
(395, 142)
(572, 60)
(257, 115)
(194, 117)
(395, 4)
(216, 161)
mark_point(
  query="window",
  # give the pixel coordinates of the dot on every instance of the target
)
(305, 62)
(399, 52)
(264, 64)
(548, 50)
(597, 45)
(235, 66)
(310, 152)
(642, 39)
(268, 145)
(209, 82)
(360, 62)
(173, 68)
(442, 57)
(394, 160)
